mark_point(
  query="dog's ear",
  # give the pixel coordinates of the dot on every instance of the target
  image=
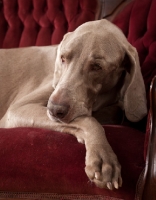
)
(133, 93)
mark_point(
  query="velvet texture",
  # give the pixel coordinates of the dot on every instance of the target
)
(138, 23)
(41, 22)
(42, 161)
(37, 160)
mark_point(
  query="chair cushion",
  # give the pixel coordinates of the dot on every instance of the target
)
(44, 161)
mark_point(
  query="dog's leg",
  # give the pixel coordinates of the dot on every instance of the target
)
(29, 110)
(102, 166)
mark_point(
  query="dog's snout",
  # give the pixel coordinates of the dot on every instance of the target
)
(58, 111)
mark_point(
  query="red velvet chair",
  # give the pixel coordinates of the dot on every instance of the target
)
(43, 164)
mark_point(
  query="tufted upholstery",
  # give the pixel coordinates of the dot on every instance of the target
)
(41, 22)
(139, 26)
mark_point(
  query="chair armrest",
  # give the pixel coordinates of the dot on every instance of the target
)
(149, 191)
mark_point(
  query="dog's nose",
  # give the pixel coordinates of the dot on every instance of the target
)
(58, 111)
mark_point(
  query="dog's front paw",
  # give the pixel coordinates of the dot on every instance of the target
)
(102, 167)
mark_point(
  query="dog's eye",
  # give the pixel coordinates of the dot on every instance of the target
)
(96, 67)
(63, 59)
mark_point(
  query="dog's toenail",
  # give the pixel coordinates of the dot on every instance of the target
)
(109, 185)
(97, 175)
(116, 185)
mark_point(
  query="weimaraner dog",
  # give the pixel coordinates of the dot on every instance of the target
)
(59, 87)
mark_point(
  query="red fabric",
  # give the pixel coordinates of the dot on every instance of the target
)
(139, 25)
(41, 22)
(37, 160)
(51, 196)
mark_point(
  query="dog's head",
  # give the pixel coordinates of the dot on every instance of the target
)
(95, 65)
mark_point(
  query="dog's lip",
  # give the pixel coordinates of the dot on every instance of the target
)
(52, 117)
(65, 121)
